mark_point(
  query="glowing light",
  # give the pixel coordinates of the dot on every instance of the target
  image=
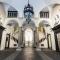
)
(28, 35)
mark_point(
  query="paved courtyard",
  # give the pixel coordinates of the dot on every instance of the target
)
(29, 54)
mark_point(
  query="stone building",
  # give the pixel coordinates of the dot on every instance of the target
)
(28, 30)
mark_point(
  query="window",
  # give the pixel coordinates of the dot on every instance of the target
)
(12, 14)
(44, 14)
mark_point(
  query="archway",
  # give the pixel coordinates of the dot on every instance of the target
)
(29, 37)
(28, 31)
(12, 34)
(43, 30)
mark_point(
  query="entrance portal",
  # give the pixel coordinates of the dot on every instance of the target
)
(29, 37)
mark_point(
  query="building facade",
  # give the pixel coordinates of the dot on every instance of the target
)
(45, 28)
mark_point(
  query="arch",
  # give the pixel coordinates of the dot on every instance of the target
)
(29, 37)
(30, 25)
(45, 9)
(6, 7)
(51, 4)
(12, 22)
(42, 28)
(25, 26)
(10, 6)
(11, 9)
(44, 23)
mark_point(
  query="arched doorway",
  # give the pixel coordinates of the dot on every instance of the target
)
(44, 38)
(12, 34)
(29, 37)
(28, 34)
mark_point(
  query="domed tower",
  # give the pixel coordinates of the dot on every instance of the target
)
(28, 12)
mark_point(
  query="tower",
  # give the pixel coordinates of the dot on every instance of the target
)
(28, 12)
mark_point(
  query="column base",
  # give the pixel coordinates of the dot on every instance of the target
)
(38, 49)
(19, 49)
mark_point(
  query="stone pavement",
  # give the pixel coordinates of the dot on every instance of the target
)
(29, 54)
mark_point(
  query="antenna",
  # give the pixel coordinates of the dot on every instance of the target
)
(28, 1)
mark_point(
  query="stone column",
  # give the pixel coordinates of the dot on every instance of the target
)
(23, 41)
(19, 39)
(56, 42)
(36, 38)
(22, 38)
(3, 40)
